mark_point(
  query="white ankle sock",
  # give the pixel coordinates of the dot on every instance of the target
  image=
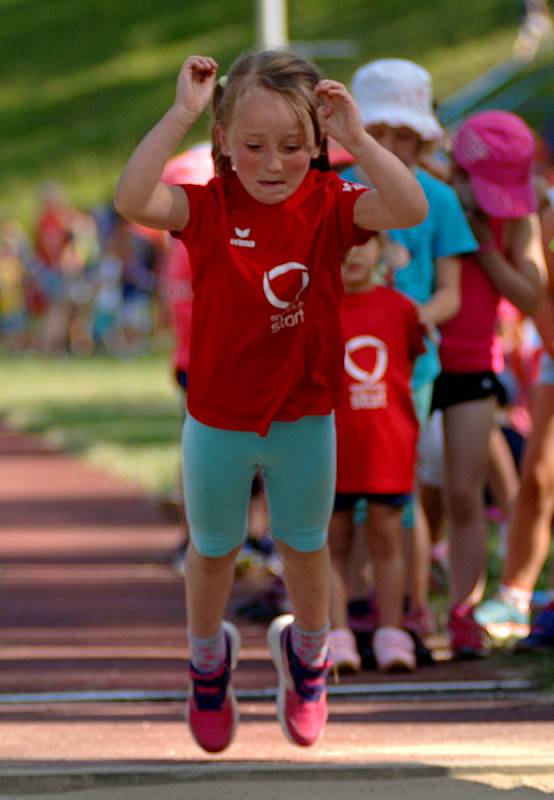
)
(517, 597)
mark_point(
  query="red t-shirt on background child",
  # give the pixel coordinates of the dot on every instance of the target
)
(377, 427)
(266, 342)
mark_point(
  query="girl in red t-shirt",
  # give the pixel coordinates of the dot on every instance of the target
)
(377, 432)
(265, 239)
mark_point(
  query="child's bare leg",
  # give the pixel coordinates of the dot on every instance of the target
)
(467, 427)
(340, 546)
(418, 556)
(360, 569)
(307, 579)
(208, 584)
(385, 539)
(530, 532)
(503, 480)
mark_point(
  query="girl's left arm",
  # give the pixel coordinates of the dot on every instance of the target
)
(521, 278)
(397, 200)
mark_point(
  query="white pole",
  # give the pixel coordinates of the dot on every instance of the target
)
(272, 24)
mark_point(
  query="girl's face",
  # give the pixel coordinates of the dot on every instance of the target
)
(403, 142)
(270, 149)
(359, 264)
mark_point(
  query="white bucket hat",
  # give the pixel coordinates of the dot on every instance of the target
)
(396, 92)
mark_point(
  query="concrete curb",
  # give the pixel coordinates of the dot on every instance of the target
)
(85, 776)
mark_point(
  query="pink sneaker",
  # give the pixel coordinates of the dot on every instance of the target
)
(422, 621)
(343, 650)
(302, 694)
(212, 709)
(394, 650)
(467, 638)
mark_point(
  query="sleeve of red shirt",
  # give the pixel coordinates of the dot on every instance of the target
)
(346, 200)
(202, 212)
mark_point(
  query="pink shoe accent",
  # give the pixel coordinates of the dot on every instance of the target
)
(468, 639)
(423, 621)
(212, 710)
(394, 650)
(301, 694)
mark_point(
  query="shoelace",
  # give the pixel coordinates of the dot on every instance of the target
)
(309, 682)
(210, 689)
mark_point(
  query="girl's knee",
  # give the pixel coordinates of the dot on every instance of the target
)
(385, 546)
(304, 558)
(214, 564)
(465, 502)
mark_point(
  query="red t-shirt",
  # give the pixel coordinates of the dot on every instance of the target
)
(52, 237)
(377, 426)
(266, 342)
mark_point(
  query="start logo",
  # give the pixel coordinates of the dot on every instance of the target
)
(380, 357)
(284, 284)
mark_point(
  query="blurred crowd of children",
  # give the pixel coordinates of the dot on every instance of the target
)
(80, 282)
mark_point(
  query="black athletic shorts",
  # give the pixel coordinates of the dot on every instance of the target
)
(453, 388)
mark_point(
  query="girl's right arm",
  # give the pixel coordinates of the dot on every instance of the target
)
(140, 195)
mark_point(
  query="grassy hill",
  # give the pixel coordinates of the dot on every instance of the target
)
(82, 80)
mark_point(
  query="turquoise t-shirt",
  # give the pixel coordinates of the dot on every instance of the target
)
(445, 232)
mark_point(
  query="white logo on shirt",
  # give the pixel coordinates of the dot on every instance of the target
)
(368, 391)
(242, 240)
(348, 186)
(381, 359)
(282, 269)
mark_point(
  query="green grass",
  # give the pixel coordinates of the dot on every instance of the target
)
(82, 80)
(122, 415)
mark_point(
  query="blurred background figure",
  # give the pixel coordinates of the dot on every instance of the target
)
(535, 30)
(13, 283)
(65, 247)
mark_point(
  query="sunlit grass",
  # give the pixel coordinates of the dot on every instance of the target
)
(123, 415)
(82, 80)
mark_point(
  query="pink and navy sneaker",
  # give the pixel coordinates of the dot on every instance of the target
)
(302, 693)
(212, 709)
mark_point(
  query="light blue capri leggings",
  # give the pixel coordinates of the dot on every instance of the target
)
(298, 461)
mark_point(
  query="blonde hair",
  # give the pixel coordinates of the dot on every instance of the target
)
(280, 71)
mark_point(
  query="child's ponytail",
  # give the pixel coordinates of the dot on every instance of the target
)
(222, 163)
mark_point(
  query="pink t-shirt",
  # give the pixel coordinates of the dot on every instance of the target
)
(266, 343)
(469, 341)
(377, 425)
(179, 289)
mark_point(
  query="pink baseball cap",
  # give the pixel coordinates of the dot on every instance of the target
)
(496, 149)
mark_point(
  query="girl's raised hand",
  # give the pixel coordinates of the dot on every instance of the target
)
(338, 113)
(195, 84)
